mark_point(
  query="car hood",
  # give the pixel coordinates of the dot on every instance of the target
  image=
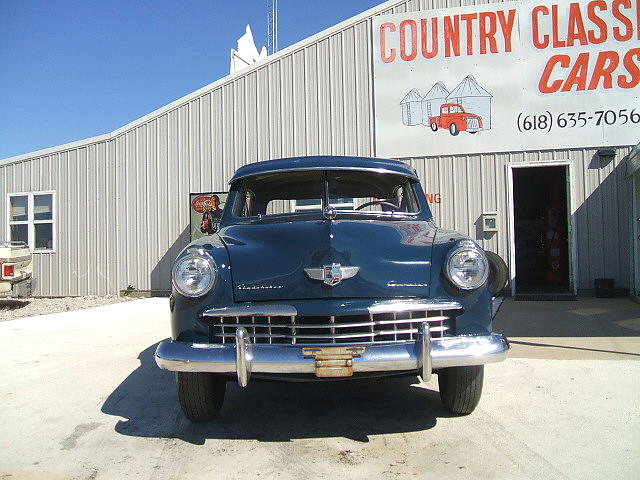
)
(268, 259)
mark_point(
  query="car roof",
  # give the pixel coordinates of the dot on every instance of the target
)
(324, 162)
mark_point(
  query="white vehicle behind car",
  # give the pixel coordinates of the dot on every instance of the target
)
(15, 270)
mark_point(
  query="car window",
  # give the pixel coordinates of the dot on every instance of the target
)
(372, 192)
(279, 193)
(308, 191)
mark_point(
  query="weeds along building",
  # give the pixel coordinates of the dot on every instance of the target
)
(545, 175)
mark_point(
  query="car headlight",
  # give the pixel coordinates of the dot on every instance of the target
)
(194, 275)
(467, 267)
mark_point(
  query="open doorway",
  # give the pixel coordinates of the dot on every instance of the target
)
(541, 229)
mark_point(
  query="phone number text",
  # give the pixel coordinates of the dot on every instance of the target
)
(546, 121)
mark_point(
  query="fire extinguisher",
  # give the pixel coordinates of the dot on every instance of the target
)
(555, 239)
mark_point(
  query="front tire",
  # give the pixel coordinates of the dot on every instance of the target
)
(200, 394)
(461, 388)
(453, 129)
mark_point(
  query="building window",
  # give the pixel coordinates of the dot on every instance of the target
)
(32, 220)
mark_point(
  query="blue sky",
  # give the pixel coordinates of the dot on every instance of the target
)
(75, 69)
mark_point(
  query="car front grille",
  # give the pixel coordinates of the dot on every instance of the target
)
(473, 123)
(313, 330)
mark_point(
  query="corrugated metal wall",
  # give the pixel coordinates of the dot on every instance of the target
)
(122, 203)
(473, 184)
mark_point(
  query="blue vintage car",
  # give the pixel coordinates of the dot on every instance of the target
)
(329, 268)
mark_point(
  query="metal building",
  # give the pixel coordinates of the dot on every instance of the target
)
(118, 204)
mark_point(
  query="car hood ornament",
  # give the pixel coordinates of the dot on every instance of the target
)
(331, 274)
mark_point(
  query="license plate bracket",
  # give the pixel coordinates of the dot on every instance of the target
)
(333, 361)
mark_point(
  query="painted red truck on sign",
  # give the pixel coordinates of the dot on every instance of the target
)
(455, 119)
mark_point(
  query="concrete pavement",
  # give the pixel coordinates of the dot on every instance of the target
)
(589, 328)
(82, 398)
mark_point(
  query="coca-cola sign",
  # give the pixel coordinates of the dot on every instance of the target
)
(201, 204)
(205, 212)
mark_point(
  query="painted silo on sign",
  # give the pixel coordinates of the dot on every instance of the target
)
(412, 108)
(474, 99)
(432, 101)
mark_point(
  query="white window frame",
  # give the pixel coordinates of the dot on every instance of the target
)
(31, 222)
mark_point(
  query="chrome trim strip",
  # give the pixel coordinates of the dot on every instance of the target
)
(275, 310)
(264, 358)
(399, 306)
(337, 325)
(251, 311)
(329, 336)
(260, 287)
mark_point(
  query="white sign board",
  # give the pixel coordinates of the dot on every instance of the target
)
(507, 76)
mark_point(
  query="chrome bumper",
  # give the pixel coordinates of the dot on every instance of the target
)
(244, 358)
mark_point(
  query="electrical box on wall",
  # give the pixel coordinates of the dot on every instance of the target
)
(490, 222)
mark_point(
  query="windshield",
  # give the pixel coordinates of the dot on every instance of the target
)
(361, 192)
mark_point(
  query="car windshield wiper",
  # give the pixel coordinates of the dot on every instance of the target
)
(391, 215)
(284, 217)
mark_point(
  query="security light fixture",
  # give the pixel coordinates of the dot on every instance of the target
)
(606, 155)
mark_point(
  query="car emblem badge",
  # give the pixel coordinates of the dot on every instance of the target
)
(331, 274)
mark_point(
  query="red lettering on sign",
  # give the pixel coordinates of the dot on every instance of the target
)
(391, 56)
(632, 68)
(506, 24)
(452, 36)
(576, 26)
(426, 53)
(488, 32)
(544, 43)
(589, 73)
(434, 197)
(617, 34)
(557, 43)
(578, 74)
(412, 52)
(598, 21)
(544, 86)
(606, 63)
(468, 19)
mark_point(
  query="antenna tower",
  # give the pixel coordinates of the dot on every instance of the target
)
(272, 27)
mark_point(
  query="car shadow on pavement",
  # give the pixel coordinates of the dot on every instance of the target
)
(274, 411)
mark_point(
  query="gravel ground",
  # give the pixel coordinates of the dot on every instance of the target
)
(12, 308)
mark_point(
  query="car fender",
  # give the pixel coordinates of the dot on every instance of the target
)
(183, 326)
